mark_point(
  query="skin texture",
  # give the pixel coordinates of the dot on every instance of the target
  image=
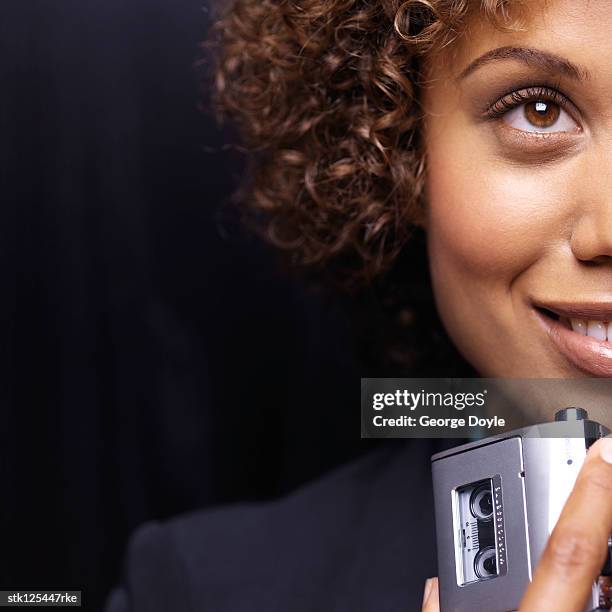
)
(514, 216)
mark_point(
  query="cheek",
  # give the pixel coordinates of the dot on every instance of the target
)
(489, 226)
(487, 221)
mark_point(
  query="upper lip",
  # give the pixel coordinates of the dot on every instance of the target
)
(591, 311)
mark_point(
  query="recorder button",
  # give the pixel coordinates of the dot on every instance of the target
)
(571, 414)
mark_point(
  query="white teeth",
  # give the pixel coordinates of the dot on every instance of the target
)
(578, 325)
(597, 330)
(600, 330)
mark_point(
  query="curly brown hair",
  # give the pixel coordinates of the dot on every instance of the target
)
(325, 95)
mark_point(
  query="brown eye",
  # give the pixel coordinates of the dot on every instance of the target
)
(538, 116)
(542, 113)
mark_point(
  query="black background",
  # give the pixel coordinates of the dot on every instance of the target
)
(156, 359)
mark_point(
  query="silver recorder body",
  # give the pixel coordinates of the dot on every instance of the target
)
(496, 502)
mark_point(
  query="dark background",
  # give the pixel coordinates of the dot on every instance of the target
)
(156, 358)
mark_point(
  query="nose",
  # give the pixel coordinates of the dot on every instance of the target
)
(591, 240)
(591, 233)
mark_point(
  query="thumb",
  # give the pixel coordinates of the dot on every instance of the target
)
(431, 598)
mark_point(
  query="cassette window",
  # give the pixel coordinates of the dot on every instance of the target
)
(478, 514)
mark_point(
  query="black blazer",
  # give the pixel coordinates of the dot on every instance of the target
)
(362, 538)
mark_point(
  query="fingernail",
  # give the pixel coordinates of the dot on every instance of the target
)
(428, 587)
(605, 449)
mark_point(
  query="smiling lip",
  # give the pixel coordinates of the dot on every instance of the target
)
(592, 311)
(586, 353)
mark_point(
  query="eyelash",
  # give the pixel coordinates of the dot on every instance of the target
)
(525, 95)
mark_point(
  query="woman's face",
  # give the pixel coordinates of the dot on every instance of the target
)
(519, 146)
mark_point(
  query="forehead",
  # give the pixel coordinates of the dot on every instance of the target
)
(579, 29)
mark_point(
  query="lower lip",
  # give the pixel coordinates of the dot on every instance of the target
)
(586, 353)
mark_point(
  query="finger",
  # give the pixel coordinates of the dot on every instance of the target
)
(431, 597)
(577, 547)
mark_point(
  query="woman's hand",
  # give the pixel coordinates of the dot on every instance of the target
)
(431, 597)
(577, 547)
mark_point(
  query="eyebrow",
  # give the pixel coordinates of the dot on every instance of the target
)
(543, 59)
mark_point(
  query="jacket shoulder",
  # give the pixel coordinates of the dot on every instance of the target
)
(298, 553)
